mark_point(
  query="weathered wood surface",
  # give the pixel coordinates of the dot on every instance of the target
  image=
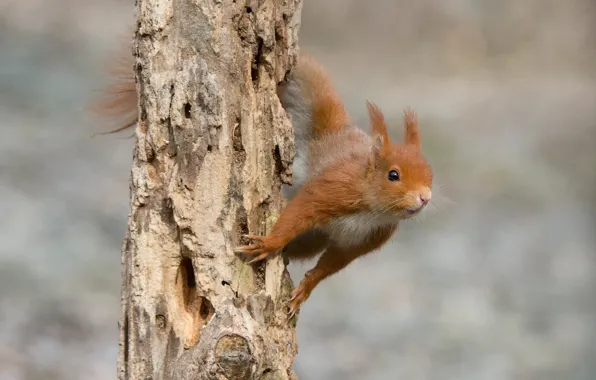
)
(213, 146)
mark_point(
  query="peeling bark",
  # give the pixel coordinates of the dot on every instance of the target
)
(213, 147)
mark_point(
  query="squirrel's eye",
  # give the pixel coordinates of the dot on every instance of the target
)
(393, 175)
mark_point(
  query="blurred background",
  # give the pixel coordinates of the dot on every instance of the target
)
(495, 282)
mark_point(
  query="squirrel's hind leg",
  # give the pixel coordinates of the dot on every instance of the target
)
(331, 261)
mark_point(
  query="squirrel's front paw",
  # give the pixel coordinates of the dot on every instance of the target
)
(263, 247)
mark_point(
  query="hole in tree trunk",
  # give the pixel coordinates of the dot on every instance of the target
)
(198, 308)
(206, 310)
(189, 283)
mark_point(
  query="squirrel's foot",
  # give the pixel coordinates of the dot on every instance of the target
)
(298, 296)
(262, 248)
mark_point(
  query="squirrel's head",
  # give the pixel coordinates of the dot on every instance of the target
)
(399, 177)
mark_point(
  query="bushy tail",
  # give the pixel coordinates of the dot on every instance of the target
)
(117, 103)
(311, 100)
(309, 97)
(315, 109)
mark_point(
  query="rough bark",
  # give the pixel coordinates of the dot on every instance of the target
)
(213, 146)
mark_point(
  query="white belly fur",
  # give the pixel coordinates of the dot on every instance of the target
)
(354, 229)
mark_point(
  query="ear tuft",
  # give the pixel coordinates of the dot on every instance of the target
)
(411, 131)
(379, 127)
(380, 138)
(377, 121)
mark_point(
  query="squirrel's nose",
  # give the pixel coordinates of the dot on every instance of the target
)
(425, 197)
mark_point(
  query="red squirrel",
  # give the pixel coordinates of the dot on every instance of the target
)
(350, 189)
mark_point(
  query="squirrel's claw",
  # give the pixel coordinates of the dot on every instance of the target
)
(292, 312)
(259, 258)
(259, 241)
(298, 296)
(250, 248)
(259, 248)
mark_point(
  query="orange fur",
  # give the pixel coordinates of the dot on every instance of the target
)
(411, 133)
(328, 110)
(347, 205)
(118, 102)
(377, 121)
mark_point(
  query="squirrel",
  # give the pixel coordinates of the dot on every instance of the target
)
(350, 189)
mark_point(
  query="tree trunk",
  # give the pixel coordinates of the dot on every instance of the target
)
(213, 147)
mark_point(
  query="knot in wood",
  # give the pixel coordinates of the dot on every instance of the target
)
(233, 356)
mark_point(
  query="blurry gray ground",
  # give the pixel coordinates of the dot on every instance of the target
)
(496, 283)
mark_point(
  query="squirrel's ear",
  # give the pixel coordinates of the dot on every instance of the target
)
(379, 128)
(377, 150)
(411, 132)
(378, 145)
(377, 122)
